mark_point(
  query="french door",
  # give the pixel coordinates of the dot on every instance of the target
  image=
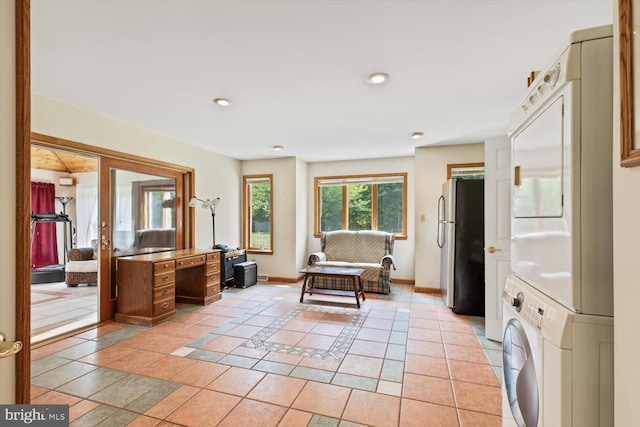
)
(142, 210)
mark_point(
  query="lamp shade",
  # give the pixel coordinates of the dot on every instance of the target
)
(193, 202)
(215, 202)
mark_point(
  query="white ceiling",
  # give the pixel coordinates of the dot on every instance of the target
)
(296, 70)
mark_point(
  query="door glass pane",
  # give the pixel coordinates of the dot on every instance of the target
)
(143, 215)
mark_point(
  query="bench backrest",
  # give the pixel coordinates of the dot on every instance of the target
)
(357, 246)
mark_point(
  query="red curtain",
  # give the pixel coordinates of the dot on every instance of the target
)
(44, 246)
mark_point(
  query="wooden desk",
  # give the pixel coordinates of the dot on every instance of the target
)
(351, 273)
(150, 285)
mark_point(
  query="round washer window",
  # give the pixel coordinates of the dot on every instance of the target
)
(520, 379)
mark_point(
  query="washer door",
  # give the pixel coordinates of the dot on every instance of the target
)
(520, 380)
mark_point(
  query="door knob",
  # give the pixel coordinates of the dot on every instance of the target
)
(492, 249)
(8, 348)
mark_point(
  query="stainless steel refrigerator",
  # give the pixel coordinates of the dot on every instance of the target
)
(461, 239)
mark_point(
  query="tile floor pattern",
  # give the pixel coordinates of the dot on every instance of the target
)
(260, 358)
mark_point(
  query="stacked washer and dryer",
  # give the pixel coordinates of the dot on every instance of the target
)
(558, 299)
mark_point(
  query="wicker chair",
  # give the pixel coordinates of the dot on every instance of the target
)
(81, 267)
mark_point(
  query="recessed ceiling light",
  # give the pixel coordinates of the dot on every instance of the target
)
(377, 78)
(223, 102)
(278, 147)
(417, 135)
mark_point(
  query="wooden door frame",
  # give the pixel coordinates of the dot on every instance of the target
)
(106, 158)
(23, 198)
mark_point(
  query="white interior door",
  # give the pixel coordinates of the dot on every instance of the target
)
(497, 230)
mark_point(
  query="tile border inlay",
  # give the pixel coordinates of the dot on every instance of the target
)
(335, 353)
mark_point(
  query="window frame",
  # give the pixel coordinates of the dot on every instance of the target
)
(246, 214)
(374, 201)
(452, 168)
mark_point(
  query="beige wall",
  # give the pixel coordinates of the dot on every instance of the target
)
(303, 228)
(626, 269)
(216, 175)
(7, 194)
(431, 173)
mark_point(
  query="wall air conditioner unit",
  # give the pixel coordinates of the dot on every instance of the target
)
(67, 180)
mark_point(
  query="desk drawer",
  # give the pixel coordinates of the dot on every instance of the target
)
(212, 267)
(161, 267)
(213, 257)
(163, 306)
(212, 290)
(191, 261)
(164, 278)
(212, 279)
(163, 293)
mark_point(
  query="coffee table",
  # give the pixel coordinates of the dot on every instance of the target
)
(354, 274)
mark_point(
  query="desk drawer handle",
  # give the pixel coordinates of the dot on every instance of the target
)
(165, 278)
(165, 305)
(166, 291)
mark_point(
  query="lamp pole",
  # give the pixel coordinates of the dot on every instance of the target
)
(211, 204)
(213, 220)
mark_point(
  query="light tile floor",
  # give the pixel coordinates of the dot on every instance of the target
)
(57, 309)
(260, 358)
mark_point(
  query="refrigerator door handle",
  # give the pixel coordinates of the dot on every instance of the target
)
(441, 222)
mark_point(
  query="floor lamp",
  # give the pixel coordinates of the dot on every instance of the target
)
(211, 204)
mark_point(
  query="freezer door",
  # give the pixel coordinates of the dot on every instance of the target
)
(468, 253)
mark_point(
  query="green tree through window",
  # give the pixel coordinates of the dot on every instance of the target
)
(359, 207)
(258, 233)
(331, 208)
(376, 202)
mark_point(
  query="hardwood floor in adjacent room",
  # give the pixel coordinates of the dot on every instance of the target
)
(57, 309)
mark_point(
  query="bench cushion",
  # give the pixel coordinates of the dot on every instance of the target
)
(371, 270)
(89, 266)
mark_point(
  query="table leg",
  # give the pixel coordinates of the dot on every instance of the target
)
(355, 290)
(364, 297)
(304, 287)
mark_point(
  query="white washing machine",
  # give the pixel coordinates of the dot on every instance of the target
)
(557, 365)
